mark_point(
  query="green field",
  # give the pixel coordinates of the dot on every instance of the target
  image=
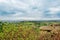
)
(24, 30)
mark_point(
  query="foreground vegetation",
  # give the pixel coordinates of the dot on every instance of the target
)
(26, 30)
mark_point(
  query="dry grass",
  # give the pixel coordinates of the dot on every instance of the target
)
(27, 32)
(44, 35)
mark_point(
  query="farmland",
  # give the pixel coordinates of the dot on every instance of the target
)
(26, 30)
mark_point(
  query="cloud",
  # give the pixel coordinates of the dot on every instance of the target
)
(54, 10)
(29, 9)
(19, 18)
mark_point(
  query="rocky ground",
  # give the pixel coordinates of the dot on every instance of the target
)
(51, 32)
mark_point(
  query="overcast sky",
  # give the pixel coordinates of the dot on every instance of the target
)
(29, 9)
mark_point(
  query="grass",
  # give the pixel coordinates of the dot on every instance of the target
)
(26, 31)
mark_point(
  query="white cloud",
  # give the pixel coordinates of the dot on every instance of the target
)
(29, 9)
(3, 0)
(54, 10)
(19, 18)
(17, 14)
(27, 18)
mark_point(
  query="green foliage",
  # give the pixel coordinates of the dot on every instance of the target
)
(1, 26)
(21, 30)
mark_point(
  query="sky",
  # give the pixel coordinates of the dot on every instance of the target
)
(29, 9)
